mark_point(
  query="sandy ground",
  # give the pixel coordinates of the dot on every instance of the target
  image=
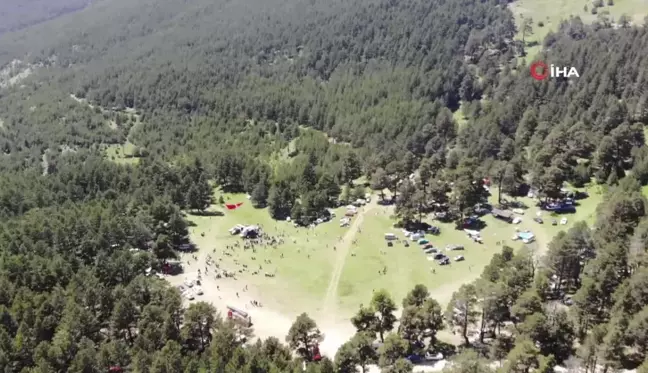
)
(223, 292)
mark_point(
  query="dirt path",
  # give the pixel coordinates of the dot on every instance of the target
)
(342, 253)
(338, 329)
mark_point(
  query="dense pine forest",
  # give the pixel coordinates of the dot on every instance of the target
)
(290, 101)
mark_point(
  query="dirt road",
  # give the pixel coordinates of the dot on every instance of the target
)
(342, 254)
(338, 329)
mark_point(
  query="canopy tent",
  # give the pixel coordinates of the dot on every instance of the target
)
(233, 206)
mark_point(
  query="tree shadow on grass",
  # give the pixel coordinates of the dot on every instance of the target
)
(631, 361)
(206, 213)
(475, 225)
(514, 204)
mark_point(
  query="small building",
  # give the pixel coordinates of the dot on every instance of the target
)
(526, 236)
(505, 215)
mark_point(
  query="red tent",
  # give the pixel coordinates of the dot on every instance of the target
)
(233, 206)
(316, 353)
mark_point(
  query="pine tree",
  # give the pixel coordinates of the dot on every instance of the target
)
(259, 195)
(309, 175)
(192, 198)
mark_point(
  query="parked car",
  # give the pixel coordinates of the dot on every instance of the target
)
(554, 222)
(430, 356)
(538, 220)
(188, 283)
(459, 258)
(434, 230)
(199, 290)
(444, 261)
(430, 250)
(481, 211)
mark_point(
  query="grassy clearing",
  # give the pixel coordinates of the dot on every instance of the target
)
(408, 266)
(644, 190)
(306, 268)
(121, 153)
(459, 118)
(283, 156)
(552, 12)
(302, 275)
(585, 211)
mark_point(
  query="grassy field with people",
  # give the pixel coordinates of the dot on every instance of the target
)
(330, 267)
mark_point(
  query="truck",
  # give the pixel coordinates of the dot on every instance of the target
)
(239, 315)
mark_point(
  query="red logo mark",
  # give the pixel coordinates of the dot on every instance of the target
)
(539, 75)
